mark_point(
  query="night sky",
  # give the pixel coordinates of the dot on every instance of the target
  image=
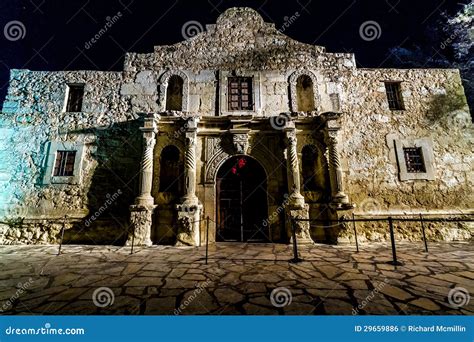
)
(56, 31)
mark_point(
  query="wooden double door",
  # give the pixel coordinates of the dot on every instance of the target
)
(242, 208)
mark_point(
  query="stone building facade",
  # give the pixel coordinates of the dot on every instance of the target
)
(240, 124)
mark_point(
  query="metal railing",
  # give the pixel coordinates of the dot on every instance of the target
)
(389, 219)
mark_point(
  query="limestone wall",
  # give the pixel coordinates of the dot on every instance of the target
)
(240, 43)
(435, 108)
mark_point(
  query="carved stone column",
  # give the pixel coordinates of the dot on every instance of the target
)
(141, 212)
(339, 198)
(293, 170)
(189, 212)
(296, 209)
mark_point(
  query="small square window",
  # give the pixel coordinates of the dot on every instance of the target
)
(414, 159)
(240, 93)
(64, 166)
(75, 96)
(394, 95)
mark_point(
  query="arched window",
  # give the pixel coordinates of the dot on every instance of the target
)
(304, 93)
(314, 170)
(174, 93)
(170, 169)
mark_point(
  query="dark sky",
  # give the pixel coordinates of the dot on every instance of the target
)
(56, 31)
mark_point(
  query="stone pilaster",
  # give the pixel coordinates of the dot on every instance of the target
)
(142, 210)
(339, 199)
(189, 211)
(296, 209)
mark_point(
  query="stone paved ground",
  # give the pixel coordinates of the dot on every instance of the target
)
(239, 279)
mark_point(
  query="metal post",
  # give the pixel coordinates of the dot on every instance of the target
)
(392, 239)
(424, 235)
(355, 232)
(296, 258)
(133, 240)
(62, 235)
(207, 238)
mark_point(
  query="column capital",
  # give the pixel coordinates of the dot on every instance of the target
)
(150, 122)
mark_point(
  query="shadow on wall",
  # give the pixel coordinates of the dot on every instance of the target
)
(113, 187)
(449, 108)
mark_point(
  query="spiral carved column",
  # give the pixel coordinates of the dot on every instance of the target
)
(294, 184)
(297, 211)
(339, 198)
(189, 212)
(142, 211)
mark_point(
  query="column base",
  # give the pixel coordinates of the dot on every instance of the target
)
(188, 233)
(340, 201)
(303, 235)
(140, 225)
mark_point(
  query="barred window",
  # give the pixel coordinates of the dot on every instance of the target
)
(75, 95)
(64, 163)
(414, 159)
(240, 96)
(394, 95)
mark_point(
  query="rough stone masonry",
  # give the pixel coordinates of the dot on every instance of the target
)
(148, 153)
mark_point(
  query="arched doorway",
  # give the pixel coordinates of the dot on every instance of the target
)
(241, 193)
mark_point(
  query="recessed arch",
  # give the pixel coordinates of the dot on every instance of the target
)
(170, 170)
(168, 79)
(303, 83)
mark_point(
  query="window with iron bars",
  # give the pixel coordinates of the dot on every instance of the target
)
(240, 96)
(414, 159)
(394, 95)
(64, 163)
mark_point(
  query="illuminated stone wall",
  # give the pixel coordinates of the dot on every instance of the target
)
(240, 43)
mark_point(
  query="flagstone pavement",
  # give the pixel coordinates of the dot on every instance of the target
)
(238, 279)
